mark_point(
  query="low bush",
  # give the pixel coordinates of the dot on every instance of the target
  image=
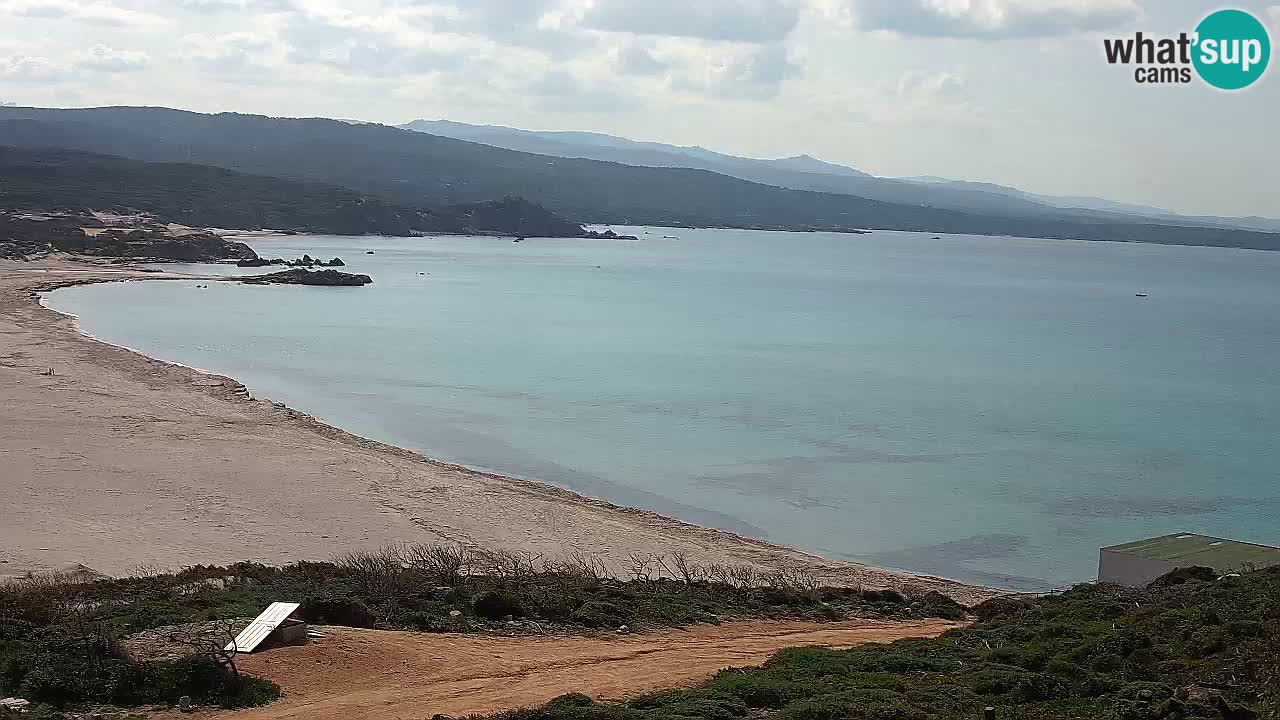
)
(1189, 647)
(492, 605)
(75, 662)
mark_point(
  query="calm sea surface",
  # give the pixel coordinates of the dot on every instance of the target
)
(990, 409)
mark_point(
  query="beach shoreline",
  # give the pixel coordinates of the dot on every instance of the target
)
(118, 460)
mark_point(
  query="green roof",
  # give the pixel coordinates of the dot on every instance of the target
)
(1189, 549)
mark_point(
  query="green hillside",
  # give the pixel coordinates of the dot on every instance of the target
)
(206, 196)
(1193, 646)
(415, 168)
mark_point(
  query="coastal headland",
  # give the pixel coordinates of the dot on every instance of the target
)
(120, 461)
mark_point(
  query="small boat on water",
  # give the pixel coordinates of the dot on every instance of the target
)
(1139, 294)
(670, 237)
(518, 239)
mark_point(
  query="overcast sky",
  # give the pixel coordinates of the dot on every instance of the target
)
(1007, 91)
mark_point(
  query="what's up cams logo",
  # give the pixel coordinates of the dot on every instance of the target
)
(1229, 50)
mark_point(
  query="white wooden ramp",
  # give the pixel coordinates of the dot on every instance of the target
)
(262, 626)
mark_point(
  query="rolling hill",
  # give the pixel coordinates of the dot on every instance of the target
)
(807, 173)
(205, 196)
(419, 169)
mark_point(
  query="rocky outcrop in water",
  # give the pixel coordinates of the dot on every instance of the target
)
(259, 262)
(306, 261)
(300, 276)
(607, 235)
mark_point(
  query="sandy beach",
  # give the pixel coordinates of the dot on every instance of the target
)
(120, 461)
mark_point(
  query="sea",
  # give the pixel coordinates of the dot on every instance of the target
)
(988, 409)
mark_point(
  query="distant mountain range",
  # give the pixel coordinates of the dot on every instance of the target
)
(807, 173)
(1109, 207)
(421, 171)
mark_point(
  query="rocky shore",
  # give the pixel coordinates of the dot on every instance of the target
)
(27, 235)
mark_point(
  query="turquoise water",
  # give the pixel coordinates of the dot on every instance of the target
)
(990, 409)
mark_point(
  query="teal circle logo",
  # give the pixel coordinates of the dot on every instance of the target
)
(1232, 49)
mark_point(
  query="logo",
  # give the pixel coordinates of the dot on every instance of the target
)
(1229, 50)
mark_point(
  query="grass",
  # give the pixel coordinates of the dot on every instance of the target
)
(60, 641)
(1191, 646)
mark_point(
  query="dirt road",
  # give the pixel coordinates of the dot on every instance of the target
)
(355, 674)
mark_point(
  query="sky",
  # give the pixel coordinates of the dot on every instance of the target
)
(1009, 91)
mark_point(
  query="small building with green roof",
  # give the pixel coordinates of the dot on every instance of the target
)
(1138, 563)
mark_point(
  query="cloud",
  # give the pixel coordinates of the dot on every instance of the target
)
(547, 26)
(637, 60)
(992, 19)
(561, 91)
(752, 21)
(756, 74)
(487, 16)
(227, 6)
(101, 58)
(30, 68)
(915, 97)
(98, 13)
(370, 45)
(242, 56)
(383, 60)
(97, 59)
(209, 6)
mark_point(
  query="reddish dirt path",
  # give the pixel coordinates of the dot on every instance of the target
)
(354, 674)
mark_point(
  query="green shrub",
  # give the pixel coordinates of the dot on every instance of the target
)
(709, 704)
(344, 611)
(570, 700)
(935, 604)
(1181, 576)
(1208, 641)
(492, 605)
(995, 682)
(1036, 687)
(883, 596)
(599, 614)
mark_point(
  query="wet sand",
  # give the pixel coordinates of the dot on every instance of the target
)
(120, 461)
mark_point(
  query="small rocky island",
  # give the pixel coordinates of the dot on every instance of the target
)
(305, 261)
(606, 235)
(302, 276)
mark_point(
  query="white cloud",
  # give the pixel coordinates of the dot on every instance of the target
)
(914, 97)
(992, 18)
(97, 59)
(242, 56)
(755, 73)
(105, 59)
(99, 12)
(754, 21)
(226, 6)
(562, 91)
(30, 68)
(636, 60)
